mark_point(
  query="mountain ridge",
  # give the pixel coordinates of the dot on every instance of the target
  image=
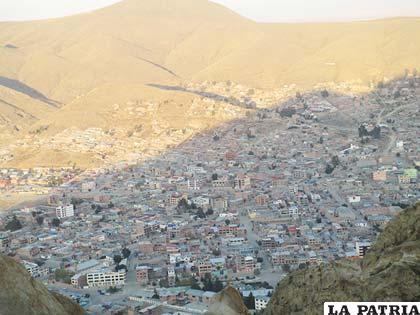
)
(119, 51)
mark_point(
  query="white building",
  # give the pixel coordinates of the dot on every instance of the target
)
(293, 211)
(353, 199)
(233, 241)
(32, 268)
(362, 248)
(202, 202)
(64, 211)
(105, 278)
(261, 302)
(193, 185)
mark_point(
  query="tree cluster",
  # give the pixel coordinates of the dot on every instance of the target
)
(209, 285)
(249, 301)
(335, 161)
(13, 225)
(63, 275)
(287, 112)
(375, 132)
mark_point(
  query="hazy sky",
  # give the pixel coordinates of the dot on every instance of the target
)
(260, 10)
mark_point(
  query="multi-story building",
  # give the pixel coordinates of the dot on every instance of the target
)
(219, 203)
(220, 182)
(293, 211)
(78, 280)
(4, 242)
(64, 211)
(229, 229)
(204, 267)
(202, 202)
(261, 302)
(171, 275)
(261, 200)
(175, 198)
(268, 243)
(245, 264)
(142, 274)
(283, 258)
(105, 278)
(193, 184)
(362, 248)
(146, 247)
(32, 268)
(242, 182)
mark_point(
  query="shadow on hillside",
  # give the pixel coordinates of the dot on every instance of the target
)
(297, 106)
(244, 103)
(27, 90)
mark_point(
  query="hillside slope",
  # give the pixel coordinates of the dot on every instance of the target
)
(143, 41)
(67, 75)
(29, 297)
(389, 272)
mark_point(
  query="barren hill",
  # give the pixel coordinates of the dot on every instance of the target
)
(63, 73)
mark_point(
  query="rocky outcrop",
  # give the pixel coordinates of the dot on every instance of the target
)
(227, 302)
(21, 294)
(389, 272)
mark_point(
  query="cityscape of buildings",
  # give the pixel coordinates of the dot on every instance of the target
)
(300, 184)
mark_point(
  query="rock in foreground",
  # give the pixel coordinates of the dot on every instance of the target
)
(21, 294)
(389, 272)
(227, 302)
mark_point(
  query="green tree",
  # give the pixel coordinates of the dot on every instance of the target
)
(376, 132)
(200, 213)
(63, 275)
(13, 225)
(218, 285)
(183, 204)
(40, 220)
(207, 282)
(250, 301)
(56, 222)
(117, 259)
(112, 290)
(155, 295)
(329, 169)
(287, 112)
(126, 252)
(286, 268)
(163, 283)
(194, 284)
(120, 267)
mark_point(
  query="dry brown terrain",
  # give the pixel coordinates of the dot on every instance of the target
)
(64, 76)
